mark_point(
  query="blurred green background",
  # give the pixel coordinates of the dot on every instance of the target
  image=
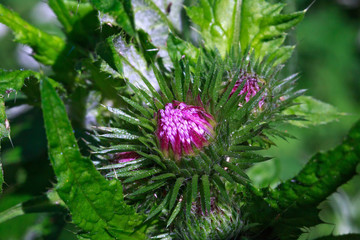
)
(327, 57)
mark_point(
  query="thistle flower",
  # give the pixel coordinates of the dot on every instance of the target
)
(251, 87)
(215, 141)
(224, 222)
(182, 127)
(126, 157)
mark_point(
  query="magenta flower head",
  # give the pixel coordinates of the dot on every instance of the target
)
(125, 157)
(251, 87)
(182, 127)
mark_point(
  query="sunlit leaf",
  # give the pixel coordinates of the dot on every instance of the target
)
(14, 80)
(294, 202)
(242, 23)
(96, 205)
(46, 47)
(120, 11)
(314, 111)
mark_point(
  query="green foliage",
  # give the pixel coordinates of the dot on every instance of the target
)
(96, 205)
(14, 80)
(178, 48)
(195, 180)
(133, 58)
(3, 133)
(50, 202)
(10, 81)
(46, 47)
(341, 237)
(223, 223)
(4, 128)
(247, 24)
(62, 13)
(120, 11)
(1, 177)
(293, 204)
(314, 111)
(321, 176)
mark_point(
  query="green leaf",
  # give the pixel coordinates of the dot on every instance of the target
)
(148, 188)
(160, 12)
(117, 133)
(163, 176)
(62, 13)
(196, 83)
(206, 193)
(174, 213)
(151, 20)
(14, 80)
(132, 120)
(158, 209)
(188, 199)
(142, 175)
(4, 132)
(163, 85)
(121, 12)
(314, 111)
(237, 170)
(96, 205)
(226, 95)
(154, 158)
(4, 123)
(221, 186)
(322, 174)
(125, 165)
(119, 148)
(46, 47)
(186, 87)
(138, 107)
(109, 54)
(178, 86)
(223, 173)
(341, 237)
(175, 191)
(9, 81)
(257, 24)
(132, 63)
(320, 177)
(50, 202)
(1, 176)
(194, 187)
(177, 48)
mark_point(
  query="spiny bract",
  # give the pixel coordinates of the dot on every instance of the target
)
(197, 135)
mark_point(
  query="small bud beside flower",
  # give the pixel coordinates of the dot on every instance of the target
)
(251, 87)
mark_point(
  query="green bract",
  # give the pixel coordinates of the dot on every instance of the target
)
(159, 181)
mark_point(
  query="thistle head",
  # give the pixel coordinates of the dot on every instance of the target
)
(215, 141)
(224, 222)
(250, 87)
(182, 128)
